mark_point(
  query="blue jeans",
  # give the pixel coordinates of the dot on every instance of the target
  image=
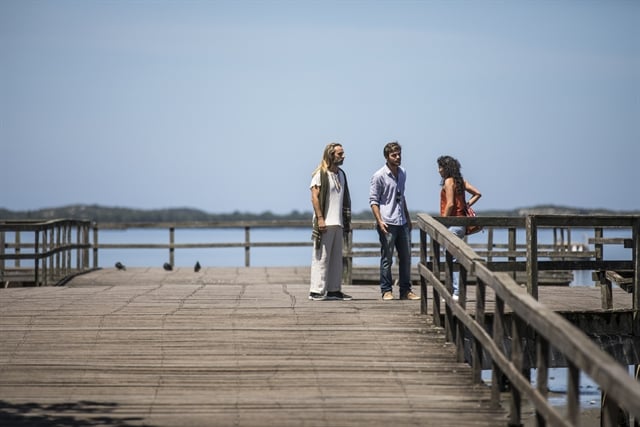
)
(460, 232)
(398, 237)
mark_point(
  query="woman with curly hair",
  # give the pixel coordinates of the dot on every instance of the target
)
(453, 199)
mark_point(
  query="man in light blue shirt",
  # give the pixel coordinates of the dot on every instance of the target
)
(389, 207)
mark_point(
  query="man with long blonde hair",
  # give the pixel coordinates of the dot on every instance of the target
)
(331, 218)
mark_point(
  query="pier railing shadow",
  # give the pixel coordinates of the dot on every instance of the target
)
(531, 323)
(74, 414)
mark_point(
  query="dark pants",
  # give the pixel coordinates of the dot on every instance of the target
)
(398, 237)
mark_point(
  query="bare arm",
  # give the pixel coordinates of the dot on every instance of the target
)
(376, 213)
(475, 193)
(406, 213)
(315, 202)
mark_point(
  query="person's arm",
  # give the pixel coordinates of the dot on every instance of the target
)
(406, 213)
(376, 213)
(449, 191)
(374, 202)
(315, 201)
(475, 193)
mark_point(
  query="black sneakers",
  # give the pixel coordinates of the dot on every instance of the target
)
(338, 295)
(317, 297)
(335, 296)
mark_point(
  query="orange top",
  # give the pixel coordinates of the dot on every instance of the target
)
(458, 203)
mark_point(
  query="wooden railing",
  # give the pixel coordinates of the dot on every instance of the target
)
(171, 244)
(49, 247)
(355, 247)
(351, 249)
(532, 323)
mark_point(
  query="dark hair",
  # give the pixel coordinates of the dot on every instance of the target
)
(390, 148)
(451, 168)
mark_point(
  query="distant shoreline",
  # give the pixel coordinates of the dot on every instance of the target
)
(120, 214)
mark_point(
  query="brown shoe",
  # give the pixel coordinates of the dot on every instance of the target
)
(410, 295)
(387, 296)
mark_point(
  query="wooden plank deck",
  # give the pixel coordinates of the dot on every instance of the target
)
(233, 346)
(226, 347)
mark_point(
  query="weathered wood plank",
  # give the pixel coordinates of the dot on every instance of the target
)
(228, 346)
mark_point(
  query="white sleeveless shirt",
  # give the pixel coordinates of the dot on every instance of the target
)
(333, 215)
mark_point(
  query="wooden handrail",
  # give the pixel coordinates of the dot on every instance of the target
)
(52, 250)
(550, 330)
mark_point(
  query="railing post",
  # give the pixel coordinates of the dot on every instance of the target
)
(347, 258)
(62, 246)
(635, 238)
(68, 250)
(69, 240)
(497, 376)
(247, 246)
(532, 256)
(611, 414)
(517, 357)
(512, 248)
(45, 258)
(172, 241)
(2, 252)
(542, 373)
(424, 308)
(599, 246)
(490, 245)
(573, 393)
(606, 289)
(477, 362)
(56, 258)
(18, 242)
(36, 261)
(459, 325)
(636, 276)
(53, 257)
(449, 322)
(435, 263)
(79, 251)
(85, 241)
(95, 245)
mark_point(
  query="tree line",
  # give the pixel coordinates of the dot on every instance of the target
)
(99, 213)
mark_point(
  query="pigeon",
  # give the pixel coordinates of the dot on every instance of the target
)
(120, 266)
(167, 266)
(197, 267)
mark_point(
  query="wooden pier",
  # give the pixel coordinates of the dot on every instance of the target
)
(244, 346)
(225, 347)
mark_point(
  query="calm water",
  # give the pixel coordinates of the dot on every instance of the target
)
(271, 257)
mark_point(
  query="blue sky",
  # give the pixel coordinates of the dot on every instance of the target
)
(226, 106)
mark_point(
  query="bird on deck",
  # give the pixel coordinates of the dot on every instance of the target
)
(197, 267)
(120, 266)
(167, 266)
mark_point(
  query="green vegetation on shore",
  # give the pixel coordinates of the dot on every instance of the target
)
(119, 214)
